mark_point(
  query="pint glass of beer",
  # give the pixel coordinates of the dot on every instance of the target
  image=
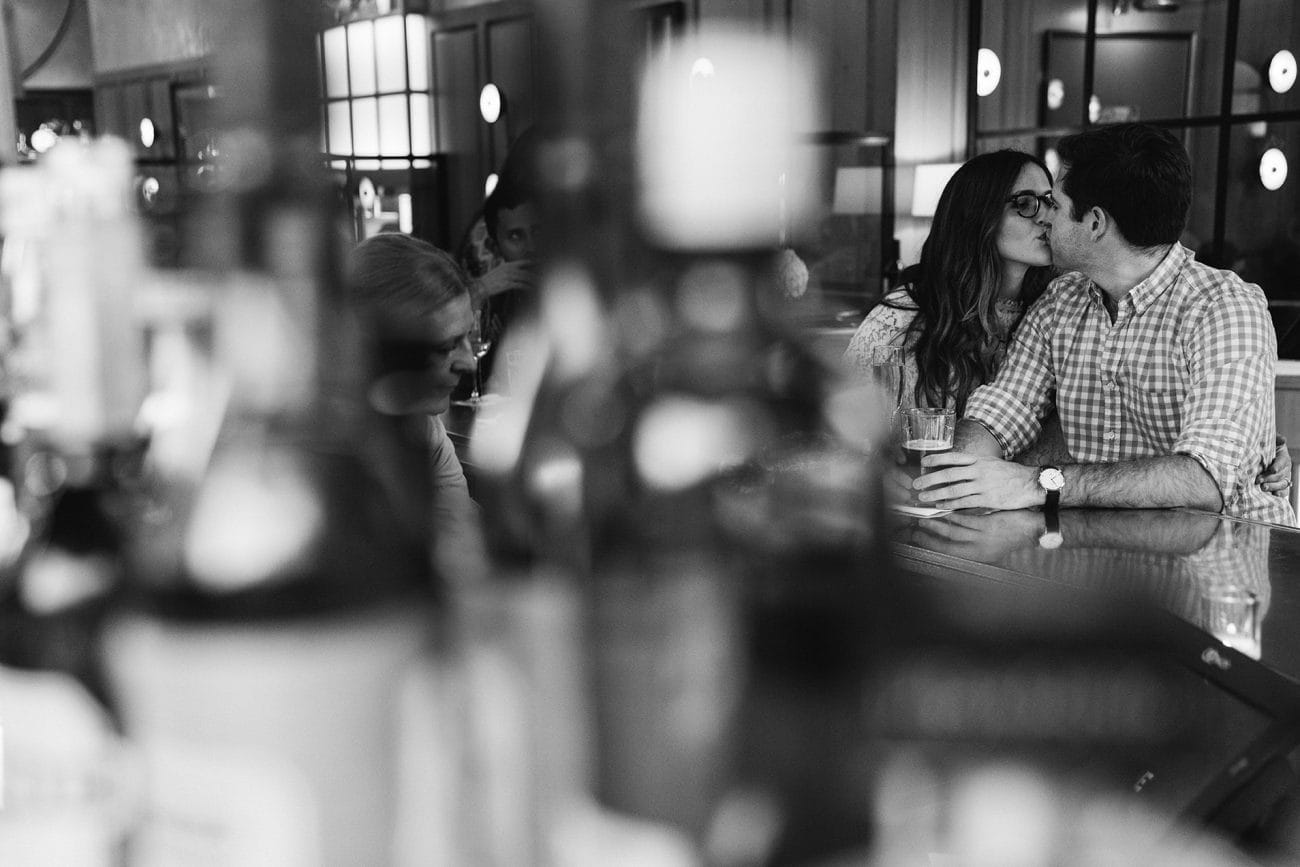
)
(927, 430)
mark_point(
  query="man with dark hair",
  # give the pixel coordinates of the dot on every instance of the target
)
(1161, 368)
(513, 223)
(1139, 175)
(512, 220)
(501, 247)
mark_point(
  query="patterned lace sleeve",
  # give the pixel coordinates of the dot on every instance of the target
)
(884, 325)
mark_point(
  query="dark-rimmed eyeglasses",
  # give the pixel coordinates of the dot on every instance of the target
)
(1028, 204)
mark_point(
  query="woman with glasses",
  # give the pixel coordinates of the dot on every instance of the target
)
(986, 259)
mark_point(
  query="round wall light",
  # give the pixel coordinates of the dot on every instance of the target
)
(1281, 71)
(148, 134)
(1272, 169)
(988, 72)
(490, 102)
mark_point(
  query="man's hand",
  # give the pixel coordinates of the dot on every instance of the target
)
(957, 480)
(897, 486)
(1276, 478)
(506, 276)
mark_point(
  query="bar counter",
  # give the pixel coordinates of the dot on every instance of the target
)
(1223, 593)
(1187, 561)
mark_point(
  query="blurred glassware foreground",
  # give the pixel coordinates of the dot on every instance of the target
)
(223, 644)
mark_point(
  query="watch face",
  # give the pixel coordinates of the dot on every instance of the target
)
(1051, 479)
(1050, 540)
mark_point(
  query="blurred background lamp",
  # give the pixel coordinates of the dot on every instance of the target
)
(1055, 93)
(490, 102)
(149, 189)
(377, 88)
(1053, 160)
(1272, 169)
(44, 138)
(1281, 71)
(147, 132)
(702, 68)
(857, 191)
(367, 196)
(405, 214)
(711, 148)
(927, 186)
(988, 72)
(680, 441)
(490, 184)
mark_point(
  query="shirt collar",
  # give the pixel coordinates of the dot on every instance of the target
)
(1144, 294)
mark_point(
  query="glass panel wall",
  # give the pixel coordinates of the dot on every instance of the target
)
(1222, 74)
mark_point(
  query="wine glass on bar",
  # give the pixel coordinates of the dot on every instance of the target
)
(480, 341)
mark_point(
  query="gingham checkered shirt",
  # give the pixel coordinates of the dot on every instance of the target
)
(1186, 368)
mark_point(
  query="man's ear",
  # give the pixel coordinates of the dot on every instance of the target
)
(1098, 223)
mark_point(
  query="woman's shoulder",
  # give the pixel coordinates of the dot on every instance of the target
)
(897, 309)
(898, 299)
(886, 323)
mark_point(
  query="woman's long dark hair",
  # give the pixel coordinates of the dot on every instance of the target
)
(956, 336)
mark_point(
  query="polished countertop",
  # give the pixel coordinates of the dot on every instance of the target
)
(1223, 596)
(1238, 581)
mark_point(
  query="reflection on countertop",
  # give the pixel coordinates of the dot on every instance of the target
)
(1222, 575)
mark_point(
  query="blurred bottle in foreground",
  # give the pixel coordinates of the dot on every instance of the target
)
(278, 576)
(686, 478)
(74, 380)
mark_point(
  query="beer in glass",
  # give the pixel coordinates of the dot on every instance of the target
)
(926, 431)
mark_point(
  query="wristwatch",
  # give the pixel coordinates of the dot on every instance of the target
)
(1051, 480)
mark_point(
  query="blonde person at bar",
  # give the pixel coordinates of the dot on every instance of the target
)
(415, 301)
(1160, 368)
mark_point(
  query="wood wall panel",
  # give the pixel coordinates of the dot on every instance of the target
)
(127, 34)
(930, 124)
(836, 34)
(160, 112)
(35, 26)
(456, 64)
(110, 113)
(752, 11)
(510, 66)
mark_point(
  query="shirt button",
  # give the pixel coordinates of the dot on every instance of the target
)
(1110, 435)
(1109, 384)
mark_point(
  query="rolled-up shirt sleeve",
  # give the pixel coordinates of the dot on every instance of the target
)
(1013, 405)
(1227, 418)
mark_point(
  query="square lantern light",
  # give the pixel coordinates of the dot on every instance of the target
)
(377, 87)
